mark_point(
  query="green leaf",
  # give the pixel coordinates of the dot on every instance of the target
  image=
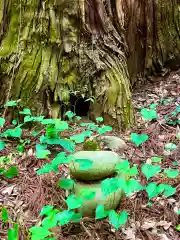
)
(123, 217)
(14, 122)
(139, 139)
(41, 151)
(87, 133)
(33, 119)
(149, 170)
(45, 169)
(84, 164)
(2, 121)
(79, 138)
(114, 219)
(67, 145)
(130, 186)
(16, 133)
(171, 173)
(49, 222)
(99, 119)
(2, 145)
(34, 133)
(61, 125)
(152, 190)
(11, 172)
(101, 212)
(20, 147)
(153, 105)
(109, 185)
(178, 109)
(46, 210)
(74, 202)
(166, 189)
(178, 212)
(78, 118)
(118, 219)
(133, 171)
(70, 115)
(149, 204)
(178, 227)
(48, 121)
(149, 114)
(86, 194)
(28, 119)
(76, 217)
(170, 146)
(50, 238)
(12, 103)
(4, 215)
(123, 166)
(39, 233)
(104, 129)
(60, 159)
(64, 217)
(66, 183)
(26, 111)
(156, 159)
(13, 233)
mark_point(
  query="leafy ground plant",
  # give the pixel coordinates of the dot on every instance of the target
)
(51, 134)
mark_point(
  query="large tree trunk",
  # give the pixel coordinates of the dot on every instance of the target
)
(153, 36)
(50, 49)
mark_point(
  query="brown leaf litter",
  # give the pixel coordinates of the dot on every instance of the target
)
(24, 196)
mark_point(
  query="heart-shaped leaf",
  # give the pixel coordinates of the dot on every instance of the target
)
(76, 217)
(41, 151)
(39, 232)
(46, 210)
(166, 189)
(109, 185)
(132, 185)
(139, 139)
(12, 103)
(171, 173)
(64, 217)
(26, 111)
(149, 114)
(118, 219)
(11, 172)
(156, 159)
(101, 212)
(149, 170)
(87, 194)
(84, 164)
(74, 202)
(99, 119)
(152, 190)
(13, 232)
(66, 183)
(49, 222)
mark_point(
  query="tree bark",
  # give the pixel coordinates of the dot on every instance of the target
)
(153, 36)
(52, 49)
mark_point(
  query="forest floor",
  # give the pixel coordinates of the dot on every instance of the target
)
(25, 195)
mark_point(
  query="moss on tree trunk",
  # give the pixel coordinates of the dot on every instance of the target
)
(49, 50)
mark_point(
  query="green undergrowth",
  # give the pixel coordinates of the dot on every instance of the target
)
(52, 135)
